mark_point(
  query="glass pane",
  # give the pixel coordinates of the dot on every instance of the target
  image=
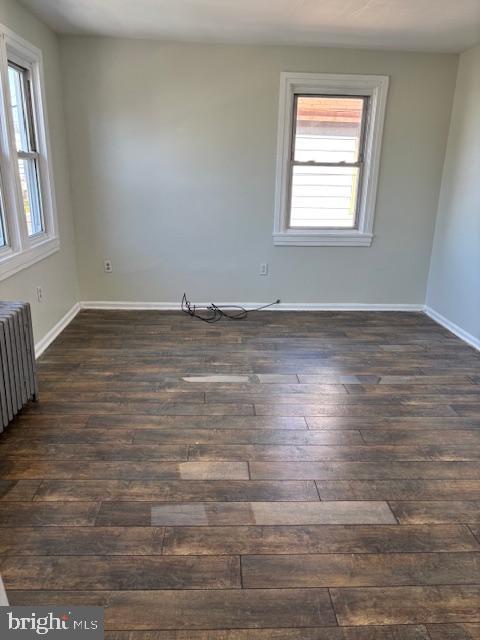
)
(324, 197)
(31, 202)
(328, 128)
(22, 115)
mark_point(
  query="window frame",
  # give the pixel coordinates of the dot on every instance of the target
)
(23, 250)
(373, 87)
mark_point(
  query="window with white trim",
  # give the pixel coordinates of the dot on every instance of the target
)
(28, 220)
(329, 139)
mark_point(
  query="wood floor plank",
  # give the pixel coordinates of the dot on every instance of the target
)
(276, 389)
(177, 491)
(128, 395)
(248, 436)
(123, 469)
(86, 541)
(323, 379)
(401, 632)
(406, 605)
(361, 410)
(333, 396)
(337, 395)
(375, 453)
(93, 451)
(308, 539)
(450, 632)
(119, 573)
(444, 437)
(199, 609)
(50, 435)
(475, 531)
(35, 514)
(364, 470)
(55, 421)
(467, 410)
(436, 511)
(473, 631)
(217, 378)
(359, 570)
(147, 408)
(18, 490)
(420, 387)
(269, 378)
(391, 424)
(270, 513)
(399, 489)
(424, 379)
(196, 422)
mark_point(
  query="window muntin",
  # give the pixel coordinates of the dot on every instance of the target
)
(326, 161)
(23, 118)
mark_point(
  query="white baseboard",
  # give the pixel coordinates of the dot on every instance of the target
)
(283, 306)
(47, 339)
(454, 328)
(343, 306)
(130, 306)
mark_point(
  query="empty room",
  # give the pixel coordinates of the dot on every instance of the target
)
(240, 319)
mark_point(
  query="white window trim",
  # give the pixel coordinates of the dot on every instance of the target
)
(376, 88)
(23, 251)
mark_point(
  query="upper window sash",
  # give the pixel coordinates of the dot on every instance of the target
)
(372, 90)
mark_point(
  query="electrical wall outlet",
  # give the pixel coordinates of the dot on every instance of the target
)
(264, 269)
(39, 294)
(107, 266)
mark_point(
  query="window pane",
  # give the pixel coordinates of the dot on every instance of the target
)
(20, 100)
(31, 202)
(324, 196)
(328, 128)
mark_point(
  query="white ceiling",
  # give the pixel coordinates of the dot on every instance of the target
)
(429, 25)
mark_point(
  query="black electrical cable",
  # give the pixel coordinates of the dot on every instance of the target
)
(213, 313)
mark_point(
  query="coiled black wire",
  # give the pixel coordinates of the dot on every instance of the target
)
(213, 313)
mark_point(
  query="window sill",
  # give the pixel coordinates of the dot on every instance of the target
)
(12, 263)
(322, 239)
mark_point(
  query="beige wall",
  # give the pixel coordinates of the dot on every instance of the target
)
(454, 283)
(57, 273)
(172, 152)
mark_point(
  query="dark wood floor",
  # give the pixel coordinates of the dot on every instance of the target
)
(322, 485)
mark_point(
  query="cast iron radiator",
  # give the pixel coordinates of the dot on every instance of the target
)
(18, 378)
